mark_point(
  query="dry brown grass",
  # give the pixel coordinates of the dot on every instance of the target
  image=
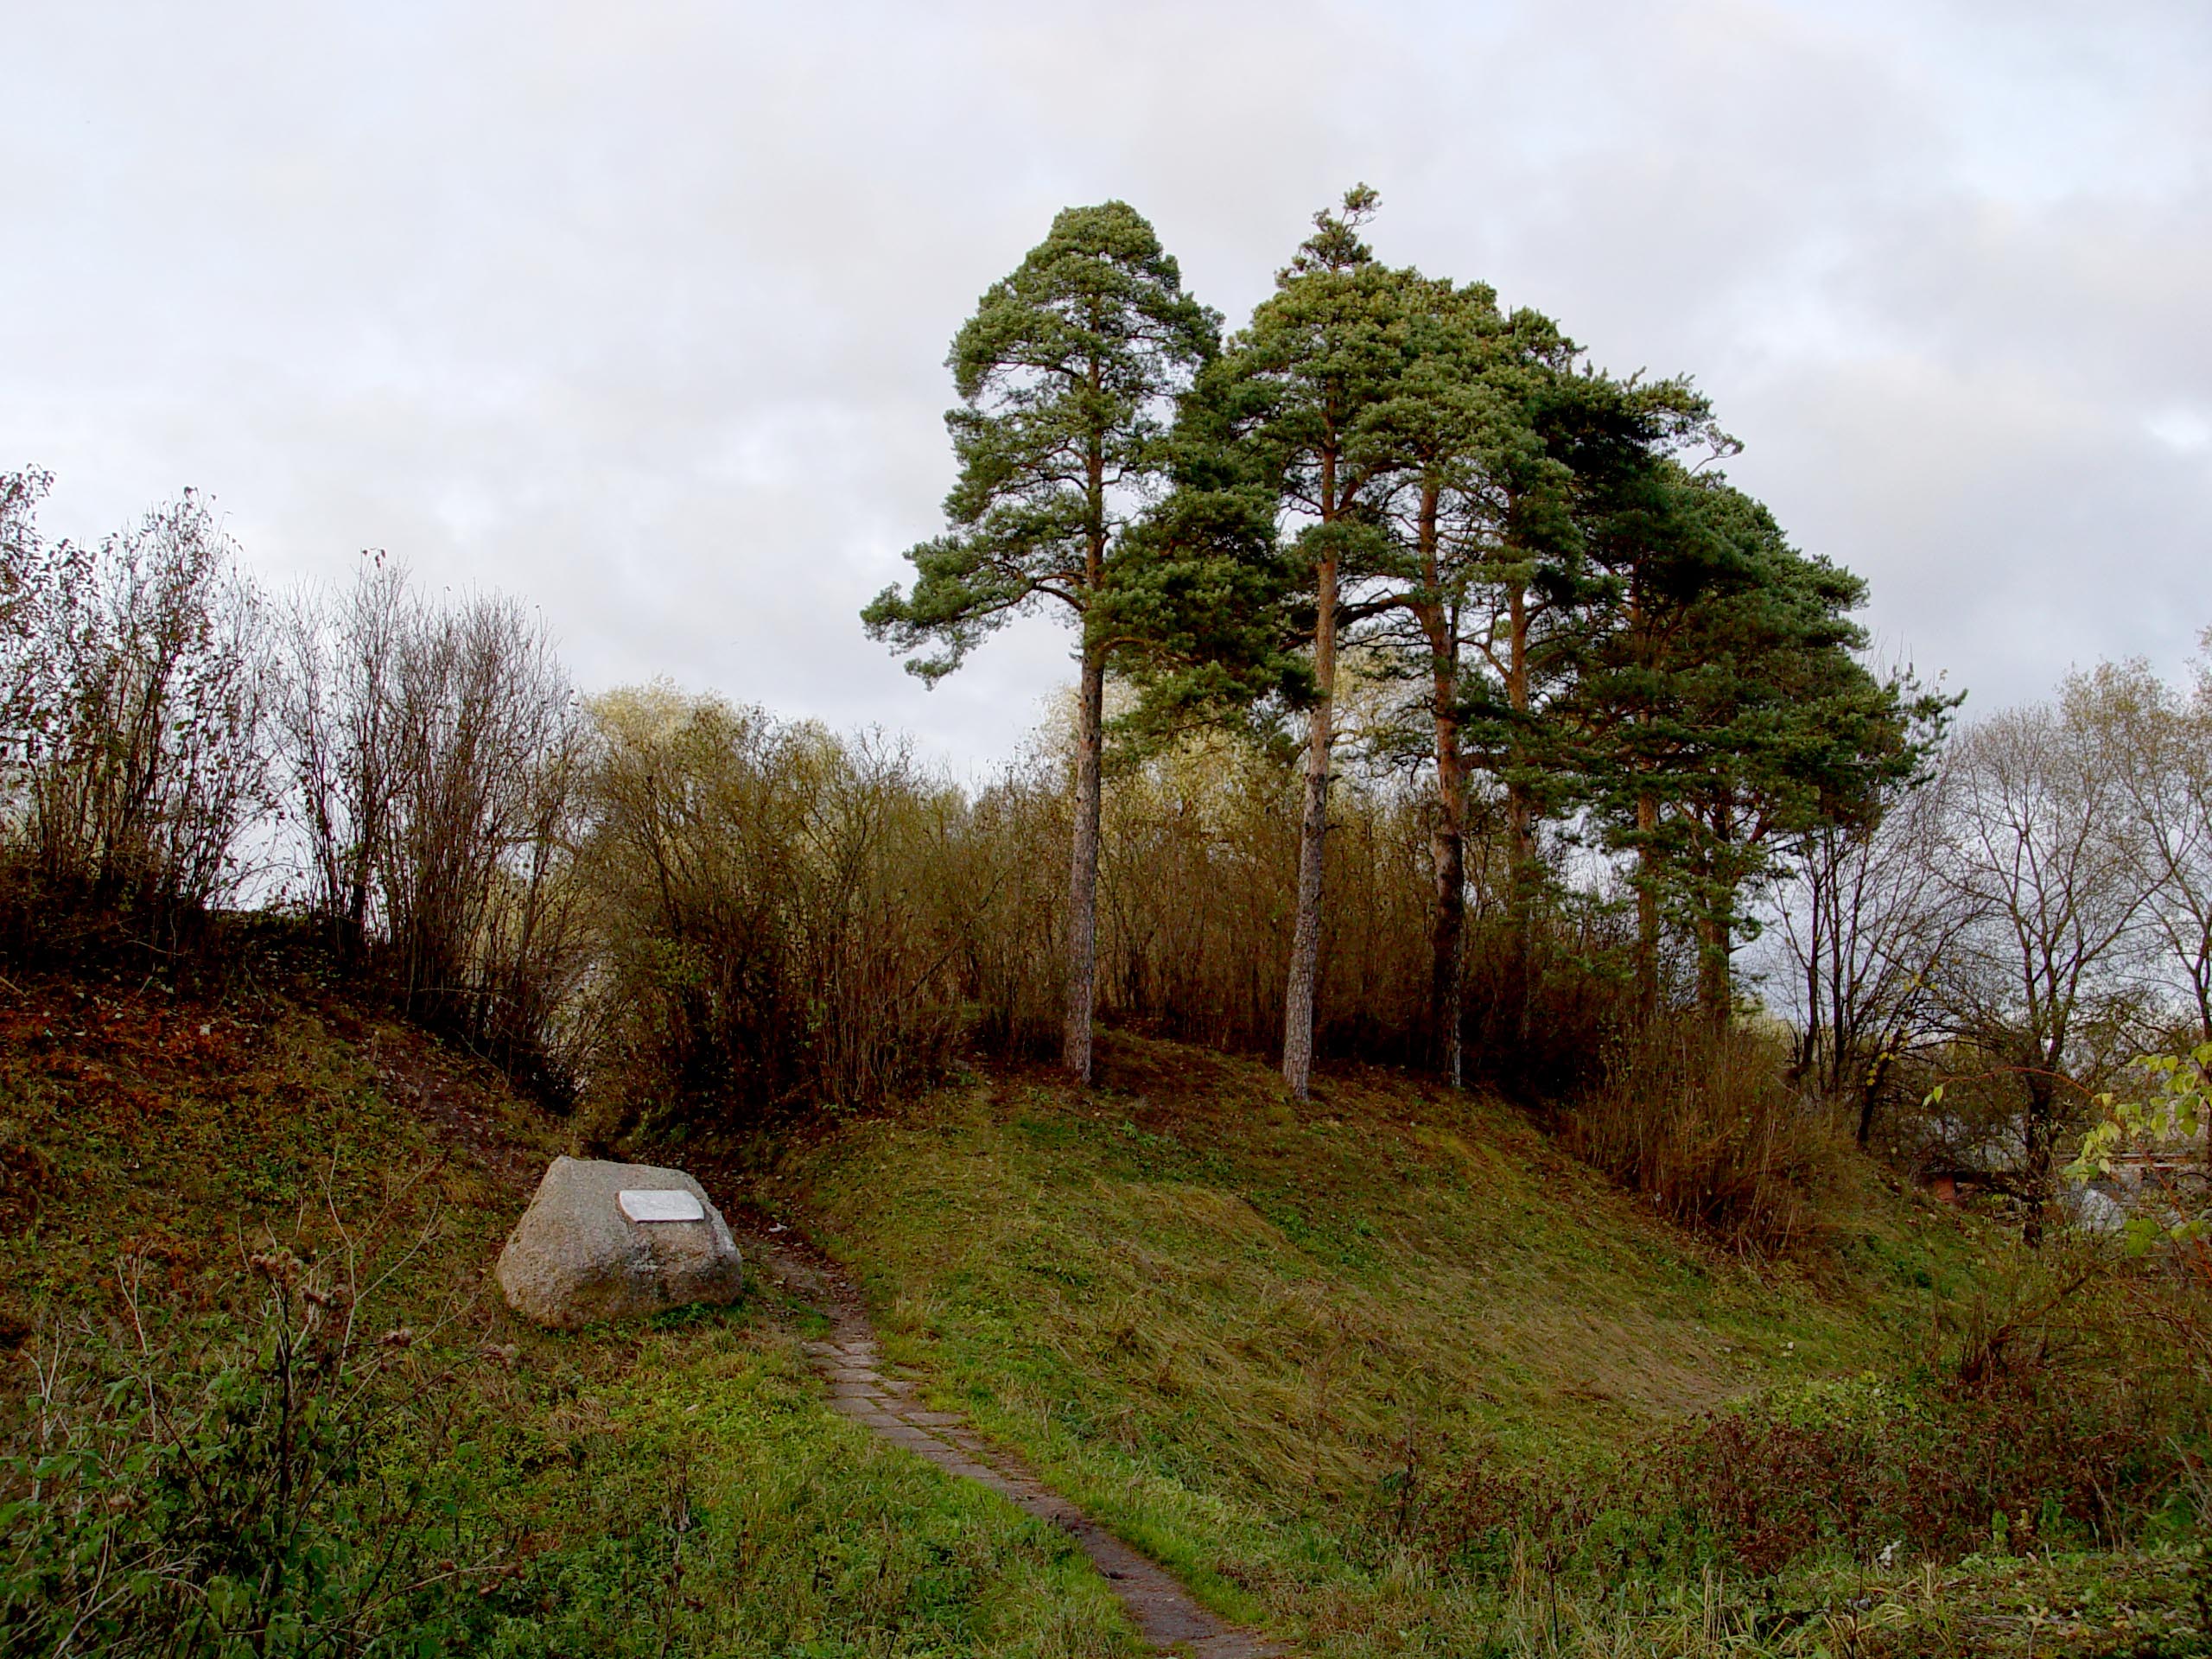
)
(1701, 1121)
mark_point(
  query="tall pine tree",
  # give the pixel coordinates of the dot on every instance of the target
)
(1066, 374)
(1735, 715)
(1303, 386)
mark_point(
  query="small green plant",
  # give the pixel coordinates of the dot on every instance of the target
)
(273, 1491)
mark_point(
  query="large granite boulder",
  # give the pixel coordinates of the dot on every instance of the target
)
(605, 1241)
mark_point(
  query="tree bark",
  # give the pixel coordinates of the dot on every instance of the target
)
(1448, 836)
(1083, 869)
(1715, 941)
(1520, 821)
(1870, 1094)
(1647, 908)
(1712, 968)
(1090, 743)
(1814, 1059)
(1646, 854)
(1447, 927)
(1312, 831)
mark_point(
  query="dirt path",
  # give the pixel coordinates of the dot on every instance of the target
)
(1164, 1612)
(848, 1360)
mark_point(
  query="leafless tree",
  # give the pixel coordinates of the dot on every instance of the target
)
(152, 756)
(486, 742)
(338, 712)
(43, 586)
(2036, 852)
(1866, 930)
(2158, 741)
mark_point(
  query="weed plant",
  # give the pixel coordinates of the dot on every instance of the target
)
(282, 1485)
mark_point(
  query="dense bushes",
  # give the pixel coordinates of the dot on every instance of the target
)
(1701, 1119)
(783, 917)
(433, 756)
(673, 905)
(1200, 856)
(696, 911)
(779, 915)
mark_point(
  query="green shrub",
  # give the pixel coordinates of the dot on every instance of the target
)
(271, 1492)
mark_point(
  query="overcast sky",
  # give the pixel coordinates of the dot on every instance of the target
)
(640, 310)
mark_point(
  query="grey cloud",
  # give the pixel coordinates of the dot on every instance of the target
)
(641, 311)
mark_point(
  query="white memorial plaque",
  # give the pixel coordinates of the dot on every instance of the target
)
(659, 1204)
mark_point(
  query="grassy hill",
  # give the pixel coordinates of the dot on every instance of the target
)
(1222, 1256)
(675, 1486)
(1374, 1368)
(1369, 1369)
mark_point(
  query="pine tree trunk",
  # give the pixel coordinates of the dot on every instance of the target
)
(1089, 742)
(1522, 878)
(1448, 923)
(1647, 830)
(1312, 831)
(1083, 869)
(1715, 928)
(1713, 978)
(1448, 835)
(1814, 1045)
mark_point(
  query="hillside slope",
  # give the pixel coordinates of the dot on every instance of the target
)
(1267, 1341)
(676, 1485)
(1285, 1346)
(1189, 1227)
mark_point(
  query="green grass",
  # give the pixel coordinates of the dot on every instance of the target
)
(1236, 1326)
(1239, 1329)
(674, 1486)
(710, 1505)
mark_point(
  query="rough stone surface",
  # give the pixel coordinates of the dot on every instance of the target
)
(575, 1259)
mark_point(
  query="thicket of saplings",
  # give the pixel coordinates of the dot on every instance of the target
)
(655, 898)
(660, 903)
(655, 901)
